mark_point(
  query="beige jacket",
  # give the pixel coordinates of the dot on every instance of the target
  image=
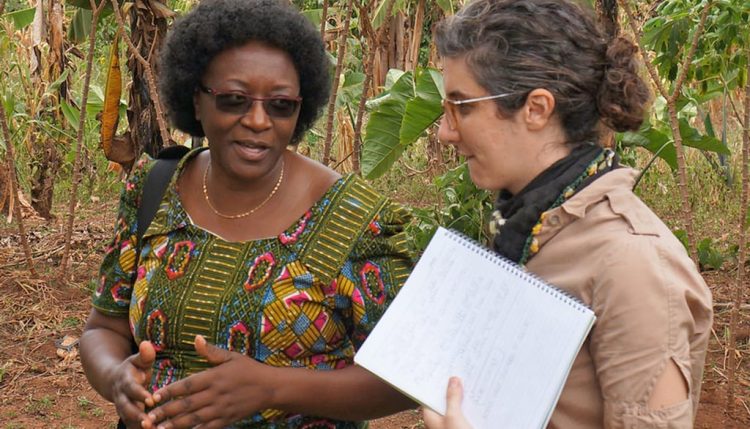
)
(606, 247)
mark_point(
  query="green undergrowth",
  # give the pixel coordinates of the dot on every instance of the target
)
(442, 194)
(715, 205)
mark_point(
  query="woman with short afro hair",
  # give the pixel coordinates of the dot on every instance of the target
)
(263, 271)
(226, 23)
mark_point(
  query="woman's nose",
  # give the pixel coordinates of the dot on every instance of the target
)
(256, 117)
(447, 134)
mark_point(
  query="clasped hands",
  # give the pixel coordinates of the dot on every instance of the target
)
(208, 399)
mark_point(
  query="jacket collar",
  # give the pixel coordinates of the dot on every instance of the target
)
(619, 180)
(616, 187)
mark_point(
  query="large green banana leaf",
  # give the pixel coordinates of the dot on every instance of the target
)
(399, 118)
(424, 109)
(382, 145)
(21, 18)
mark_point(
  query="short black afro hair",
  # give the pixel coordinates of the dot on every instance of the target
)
(216, 25)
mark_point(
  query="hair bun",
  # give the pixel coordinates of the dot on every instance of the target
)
(623, 95)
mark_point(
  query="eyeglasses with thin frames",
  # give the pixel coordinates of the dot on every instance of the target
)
(449, 106)
(239, 102)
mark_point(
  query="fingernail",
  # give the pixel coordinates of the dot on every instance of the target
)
(151, 416)
(157, 397)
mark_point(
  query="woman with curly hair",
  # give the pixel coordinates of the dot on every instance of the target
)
(529, 84)
(262, 271)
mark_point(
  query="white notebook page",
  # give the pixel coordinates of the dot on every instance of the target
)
(463, 313)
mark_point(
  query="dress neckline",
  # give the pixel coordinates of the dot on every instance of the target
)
(173, 197)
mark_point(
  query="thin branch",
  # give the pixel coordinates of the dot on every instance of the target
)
(653, 159)
(323, 20)
(689, 57)
(347, 12)
(737, 113)
(11, 165)
(674, 123)
(683, 180)
(364, 16)
(79, 138)
(685, 62)
(338, 164)
(149, 74)
(2, 6)
(638, 36)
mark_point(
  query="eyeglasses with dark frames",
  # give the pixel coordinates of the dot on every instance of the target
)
(239, 102)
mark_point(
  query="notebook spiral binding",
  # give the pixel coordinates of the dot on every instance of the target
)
(515, 269)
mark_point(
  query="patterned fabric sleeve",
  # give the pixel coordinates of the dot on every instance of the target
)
(377, 269)
(117, 272)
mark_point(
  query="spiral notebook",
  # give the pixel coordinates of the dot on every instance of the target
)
(465, 311)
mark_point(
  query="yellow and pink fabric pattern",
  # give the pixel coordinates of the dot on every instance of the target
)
(306, 298)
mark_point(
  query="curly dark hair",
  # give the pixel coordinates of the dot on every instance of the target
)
(516, 46)
(216, 25)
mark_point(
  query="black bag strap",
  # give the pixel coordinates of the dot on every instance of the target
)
(156, 184)
(153, 190)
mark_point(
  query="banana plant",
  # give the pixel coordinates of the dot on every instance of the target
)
(21, 18)
(80, 24)
(399, 116)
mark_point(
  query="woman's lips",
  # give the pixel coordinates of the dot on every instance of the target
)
(250, 151)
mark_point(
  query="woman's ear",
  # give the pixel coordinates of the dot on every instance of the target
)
(538, 110)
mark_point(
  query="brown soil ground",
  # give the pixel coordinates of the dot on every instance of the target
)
(38, 389)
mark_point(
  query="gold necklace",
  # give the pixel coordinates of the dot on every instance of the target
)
(249, 212)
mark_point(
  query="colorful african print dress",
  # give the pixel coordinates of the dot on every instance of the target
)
(306, 298)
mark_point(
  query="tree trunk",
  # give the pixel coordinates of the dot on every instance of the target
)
(396, 52)
(412, 60)
(340, 58)
(608, 16)
(148, 29)
(43, 186)
(345, 133)
(49, 154)
(436, 16)
(323, 19)
(682, 179)
(379, 68)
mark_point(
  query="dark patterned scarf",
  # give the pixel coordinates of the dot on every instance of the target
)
(517, 218)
